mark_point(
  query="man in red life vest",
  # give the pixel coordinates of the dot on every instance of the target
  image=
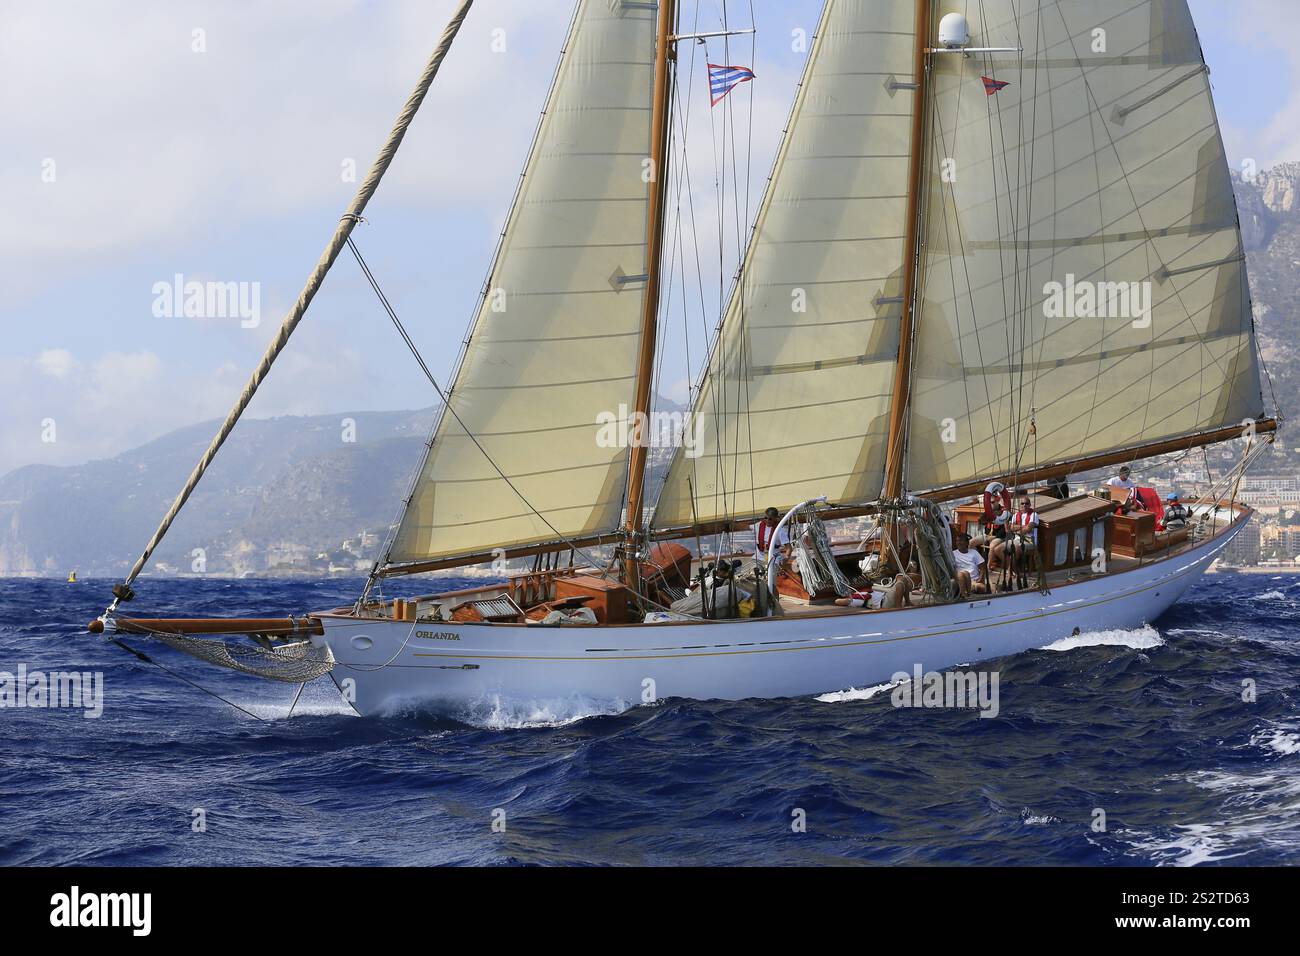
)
(1025, 521)
(766, 534)
(1023, 545)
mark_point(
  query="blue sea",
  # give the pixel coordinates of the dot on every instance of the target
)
(1148, 727)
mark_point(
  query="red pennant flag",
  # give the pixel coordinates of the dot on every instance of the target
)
(992, 86)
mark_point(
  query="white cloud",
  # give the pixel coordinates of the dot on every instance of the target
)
(56, 363)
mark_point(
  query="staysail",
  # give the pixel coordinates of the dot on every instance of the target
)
(519, 456)
(795, 401)
(1082, 265)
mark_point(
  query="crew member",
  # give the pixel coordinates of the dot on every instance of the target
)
(1177, 514)
(1025, 521)
(1122, 480)
(766, 534)
(970, 568)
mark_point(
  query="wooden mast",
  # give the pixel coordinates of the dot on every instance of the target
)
(894, 450)
(650, 312)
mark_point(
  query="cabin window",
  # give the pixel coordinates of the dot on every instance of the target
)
(1062, 550)
(1080, 550)
(1099, 534)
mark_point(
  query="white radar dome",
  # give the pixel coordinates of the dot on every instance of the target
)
(954, 31)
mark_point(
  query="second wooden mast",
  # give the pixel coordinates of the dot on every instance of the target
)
(896, 444)
(659, 126)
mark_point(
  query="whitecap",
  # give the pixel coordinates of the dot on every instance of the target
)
(1139, 639)
(281, 711)
(498, 713)
(1283, 740)
(856, 693)
(1269, 596)
(1261, 811)
(317, 700)
(1031, 819)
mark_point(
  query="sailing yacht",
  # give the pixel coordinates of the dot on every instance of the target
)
(999, 245)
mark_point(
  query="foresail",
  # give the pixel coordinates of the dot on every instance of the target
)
(518, 457)
(1082, 262)
(795, 401)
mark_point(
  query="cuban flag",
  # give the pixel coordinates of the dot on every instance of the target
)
(724, 79)
(992, 86)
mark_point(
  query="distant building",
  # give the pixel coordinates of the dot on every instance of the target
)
(1244, 549)
(1288, 544)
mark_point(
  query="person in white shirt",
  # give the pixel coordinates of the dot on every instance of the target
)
(766, 534)
(1122, 480)
(970, 568)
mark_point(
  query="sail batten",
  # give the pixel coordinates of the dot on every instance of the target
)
(517, 457)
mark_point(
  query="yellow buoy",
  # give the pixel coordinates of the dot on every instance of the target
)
(72, 577)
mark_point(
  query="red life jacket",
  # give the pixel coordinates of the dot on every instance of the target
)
(988, 506)
(762, 534)
(1022, 521)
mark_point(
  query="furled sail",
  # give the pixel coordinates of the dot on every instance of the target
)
(1082, 266)
(794, 403)
(518, 458)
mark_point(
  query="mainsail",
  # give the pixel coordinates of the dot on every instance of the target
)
(795, 401)
(517, 457)
(1082, 264)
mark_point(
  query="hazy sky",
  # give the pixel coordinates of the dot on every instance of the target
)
(131, 156)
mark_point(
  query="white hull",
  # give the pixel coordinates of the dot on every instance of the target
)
(450, 665)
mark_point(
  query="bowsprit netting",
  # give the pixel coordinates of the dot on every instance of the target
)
(294, 663)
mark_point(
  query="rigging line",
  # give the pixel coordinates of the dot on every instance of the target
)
(740, 253)
(1051, 113)
(1016, 198)
(141, 655)
(994, 431)
(711, 338)
(729, 126)
(1002, 283)
(959, 337)
(122, 591)
(392, 314)
(1026, 294)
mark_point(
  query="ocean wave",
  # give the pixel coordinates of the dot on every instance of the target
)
(858, 693)
(1139, 639)
(1270, 596)
(1283, 740)
(498, 713)
(1258, 810)
(1031, 819)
